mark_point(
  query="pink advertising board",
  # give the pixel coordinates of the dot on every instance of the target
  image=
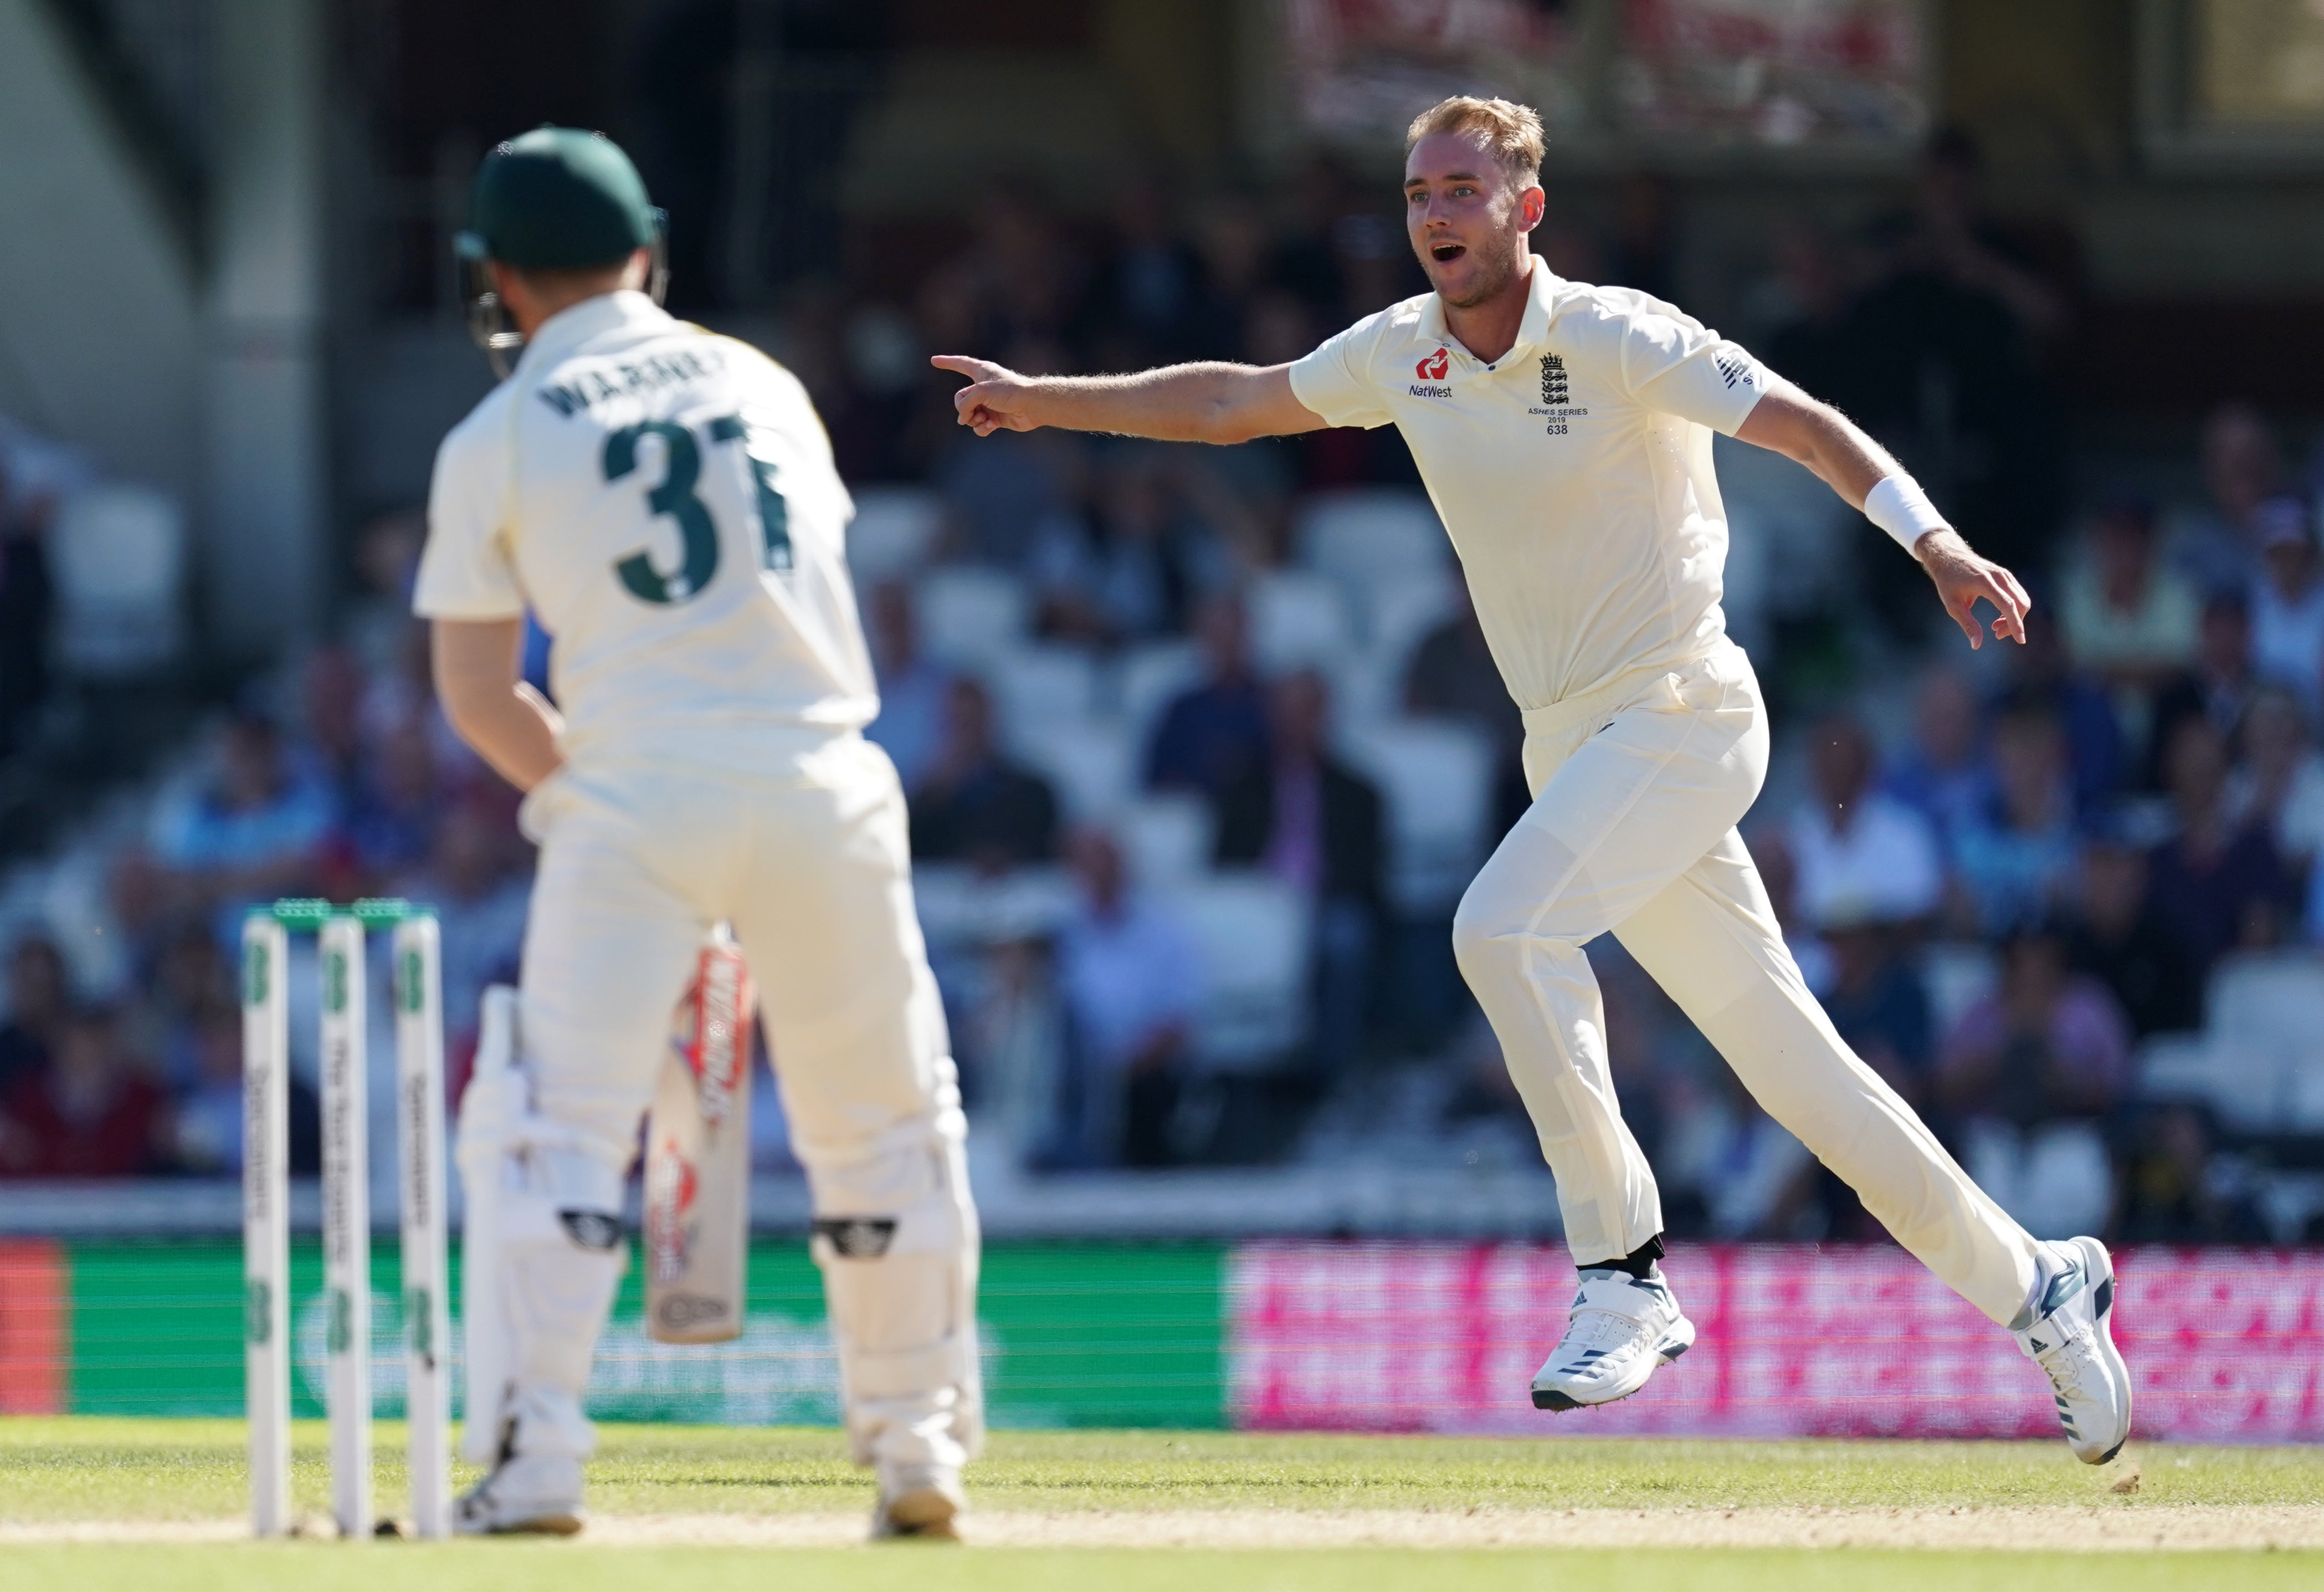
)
(1796, 1341)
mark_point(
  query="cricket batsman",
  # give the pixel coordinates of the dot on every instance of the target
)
(1564, 433)
(664, 500)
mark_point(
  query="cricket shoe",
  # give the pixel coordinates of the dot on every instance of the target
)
(525, 1495)
(1623, 1328)
(923, 1501)
(2072, 1340)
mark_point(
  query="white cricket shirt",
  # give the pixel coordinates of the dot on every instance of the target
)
(664, 500)
(1573, 473)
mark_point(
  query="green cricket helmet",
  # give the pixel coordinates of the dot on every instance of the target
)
(556, 199)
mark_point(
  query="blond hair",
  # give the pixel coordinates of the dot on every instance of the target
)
(1509, 133)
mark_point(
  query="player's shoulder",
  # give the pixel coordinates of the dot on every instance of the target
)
(1390, 329)
(481, 433)
(1584, 309)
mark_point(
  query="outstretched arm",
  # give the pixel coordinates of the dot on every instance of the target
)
(1208, 402)
(1788, 422)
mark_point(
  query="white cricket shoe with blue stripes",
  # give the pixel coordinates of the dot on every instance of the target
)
(2072, 1340)
(1622, 1329)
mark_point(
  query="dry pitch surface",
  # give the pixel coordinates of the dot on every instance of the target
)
(101, 1504)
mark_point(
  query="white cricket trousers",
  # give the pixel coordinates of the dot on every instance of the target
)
(814, 872)
(1637, 788)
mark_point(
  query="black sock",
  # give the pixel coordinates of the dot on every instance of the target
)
(1639, 1262)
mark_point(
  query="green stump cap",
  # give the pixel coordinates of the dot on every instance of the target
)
(558, 199)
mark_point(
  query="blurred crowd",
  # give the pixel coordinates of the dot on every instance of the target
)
(1202, 743)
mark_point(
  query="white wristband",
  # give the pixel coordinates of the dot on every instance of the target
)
(1898, 507)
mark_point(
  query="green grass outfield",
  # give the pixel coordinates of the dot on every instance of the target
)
(126, 1478)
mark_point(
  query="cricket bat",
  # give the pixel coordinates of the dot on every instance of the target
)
(697, 1179)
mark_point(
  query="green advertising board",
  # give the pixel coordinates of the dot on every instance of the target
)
(1073, 1335)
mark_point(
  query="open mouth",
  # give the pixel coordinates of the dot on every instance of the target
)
(1444, 254)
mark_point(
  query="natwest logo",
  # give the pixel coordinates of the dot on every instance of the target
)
(1432, 368)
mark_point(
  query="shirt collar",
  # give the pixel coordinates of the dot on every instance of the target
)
(570, 327)
(1532, 330)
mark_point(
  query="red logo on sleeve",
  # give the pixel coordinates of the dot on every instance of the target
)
(1432, 368)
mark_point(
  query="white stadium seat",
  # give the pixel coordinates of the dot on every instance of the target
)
(1150, 674)
(1167, 839)
(119, 554)
(1043, 685)
(1435, 776)
(1298, 620)
(1369, 536)
(894, 532)
(1403, 614)
(1091, 764)
(1253, 934)
(2265, 1042)
(969, 617)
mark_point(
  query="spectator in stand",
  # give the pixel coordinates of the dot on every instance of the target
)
(2218, 688)
(1146, 304)
(2174, 1191)
(1211, 735)
(249, 829)
(332, 687)
(40, 993)
(391, 818)
(976, 806)
(1128, 972)
(912, 688)
(2029, 1072)
(2131, 621)
(2120, 938)
(2241, 467)
(203, 1125)
(1310, 820)
(2085, 715)
(2280, 780)
(2015, 859)
(1131, 569)
(2225, 883)
(27, 609)
(1452, 675)
(95, 1115)
(476, 878)
(1856, 851)
(387, 561)
(2287, 601)
(191, 983)
(1875, 998)
(1942, 773)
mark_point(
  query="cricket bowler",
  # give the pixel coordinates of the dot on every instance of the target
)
(1564, 433)
(664, 500)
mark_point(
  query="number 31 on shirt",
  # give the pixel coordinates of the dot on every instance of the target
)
(698, 531)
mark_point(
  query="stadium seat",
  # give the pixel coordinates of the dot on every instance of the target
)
(1091, 764)
(1150, 675)
(1957, 977)
(1435, 776)
(1043, 685)
(2265, 1042)
(1403, 613)
(1254, 934)
(1368, 537)
(969, 617)
(119, 554)
(1298, 620)
(1167, 839)
(893, 534)
(2175, 1067)
(959, 908)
